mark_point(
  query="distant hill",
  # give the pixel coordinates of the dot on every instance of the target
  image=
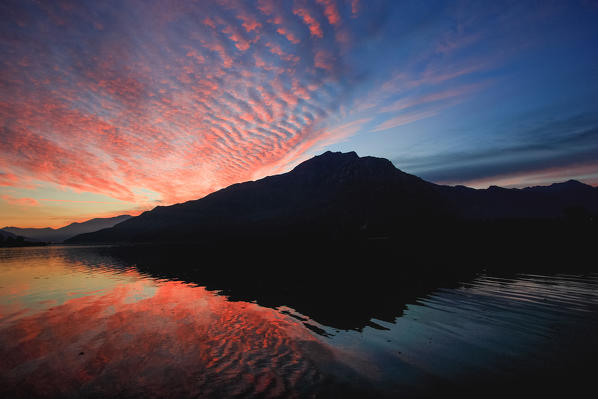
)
(340, 196)
(8, 239)
(5, 234)
(49, 234)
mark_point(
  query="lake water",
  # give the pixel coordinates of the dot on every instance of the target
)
(88, 322)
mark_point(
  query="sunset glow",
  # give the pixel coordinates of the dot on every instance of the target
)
(116, 107)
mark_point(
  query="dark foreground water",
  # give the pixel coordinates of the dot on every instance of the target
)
(90, 322)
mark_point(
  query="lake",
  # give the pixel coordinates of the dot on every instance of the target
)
(104, 322)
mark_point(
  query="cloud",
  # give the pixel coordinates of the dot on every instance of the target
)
(22, 201)
(185, 98)
(76, 201)
(567, 146)
(8, 179)
(354, 7)
(330, 11)
(434, 97)
(180, 101)
(310, 21)
(404, 119)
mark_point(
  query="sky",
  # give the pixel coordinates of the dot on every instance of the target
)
(112, 107)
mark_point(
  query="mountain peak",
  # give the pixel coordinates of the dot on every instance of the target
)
(347, 162)
(331, 196)
(328, 160)
(339, 155)
(570, 183)
(336, 157)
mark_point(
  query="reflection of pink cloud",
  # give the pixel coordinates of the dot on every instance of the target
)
(178, 339)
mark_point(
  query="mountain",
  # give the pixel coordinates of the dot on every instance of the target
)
(335, 197)
(49, 234)
(8, 239)
(5, 234)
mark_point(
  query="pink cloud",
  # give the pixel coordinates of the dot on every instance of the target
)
(209, 22)
(330, 11)
(21, 201)
(8, 179)
(289, 35)
(324, 60)
(236, 37)
(138, 119)
(310, 21)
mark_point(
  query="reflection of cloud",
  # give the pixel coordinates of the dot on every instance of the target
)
(130, 335)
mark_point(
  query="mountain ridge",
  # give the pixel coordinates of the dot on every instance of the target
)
(48, 234)
(338, 196)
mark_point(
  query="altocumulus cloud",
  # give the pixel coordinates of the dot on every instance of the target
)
(179, 98)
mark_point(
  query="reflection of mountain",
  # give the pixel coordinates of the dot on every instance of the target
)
(326, 288)
(337, 197)
(58, 235)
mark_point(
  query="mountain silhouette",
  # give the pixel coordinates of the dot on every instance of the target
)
(8, 239)
(336, 197)
(5, 234)
(49, 234)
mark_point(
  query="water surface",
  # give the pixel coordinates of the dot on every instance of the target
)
(90, 322)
